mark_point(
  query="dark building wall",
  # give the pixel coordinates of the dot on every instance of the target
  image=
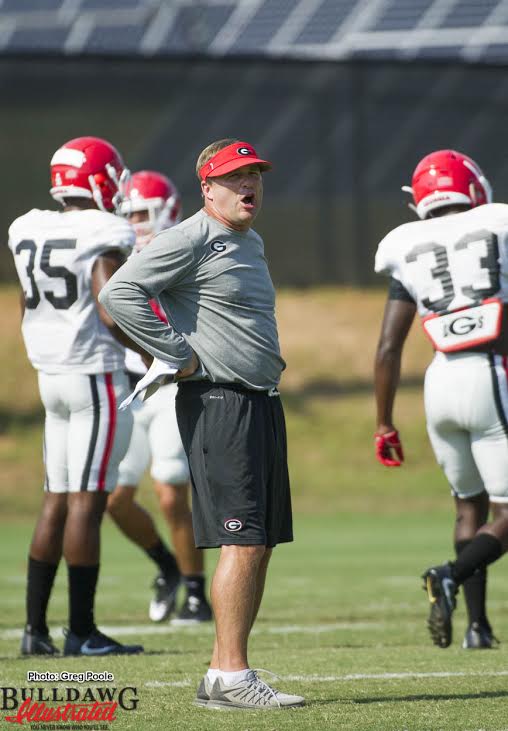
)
(343, 139)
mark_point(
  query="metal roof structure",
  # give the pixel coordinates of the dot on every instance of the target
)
(455, 30)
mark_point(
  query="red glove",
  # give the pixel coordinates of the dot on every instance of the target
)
(385, 443)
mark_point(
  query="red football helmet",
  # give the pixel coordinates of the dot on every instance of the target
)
(88, 167)
(447, 178)
(150, 191)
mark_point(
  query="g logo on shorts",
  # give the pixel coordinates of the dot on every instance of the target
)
(233, 525)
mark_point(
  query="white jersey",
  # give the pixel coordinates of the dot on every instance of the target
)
(450, 262)
(446, 264)
(54, 253)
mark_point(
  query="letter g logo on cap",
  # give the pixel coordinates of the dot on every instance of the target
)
(233, 525)
(244, 151)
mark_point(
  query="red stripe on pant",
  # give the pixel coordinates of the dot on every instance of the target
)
(110, 390)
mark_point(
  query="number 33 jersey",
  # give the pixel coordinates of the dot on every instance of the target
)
(452, 261)
(54, 253)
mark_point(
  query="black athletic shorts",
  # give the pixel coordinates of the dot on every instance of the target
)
(235, 441)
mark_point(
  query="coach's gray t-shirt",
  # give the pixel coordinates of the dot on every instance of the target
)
(215, 288)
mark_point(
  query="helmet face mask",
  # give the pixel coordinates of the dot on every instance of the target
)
(88, 167)
(447, 178)
(156, 194)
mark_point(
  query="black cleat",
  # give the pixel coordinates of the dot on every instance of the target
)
(97, 643)
(479, 637)
(441, 589)
(163, 602)
(36, 643)
(194, 611)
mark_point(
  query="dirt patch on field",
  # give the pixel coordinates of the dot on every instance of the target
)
(329, 336)
(18, 384)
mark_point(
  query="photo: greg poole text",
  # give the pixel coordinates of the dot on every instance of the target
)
(33, 676)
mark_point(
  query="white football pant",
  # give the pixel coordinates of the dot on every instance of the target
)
(155, 435)
(85, 436)
(466, 403)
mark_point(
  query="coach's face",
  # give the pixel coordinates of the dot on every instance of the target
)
(235, 198)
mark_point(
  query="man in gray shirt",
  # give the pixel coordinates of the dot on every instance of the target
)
(211, 277)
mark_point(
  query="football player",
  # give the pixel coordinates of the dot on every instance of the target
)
(63, 258)
(451, 267)
(152, 203)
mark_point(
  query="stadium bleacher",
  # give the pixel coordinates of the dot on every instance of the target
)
(462, 30)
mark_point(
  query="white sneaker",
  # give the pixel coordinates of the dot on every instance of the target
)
(251, 693)
(203, 692)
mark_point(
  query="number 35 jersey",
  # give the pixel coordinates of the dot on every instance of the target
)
(54, 253)
(452, 261)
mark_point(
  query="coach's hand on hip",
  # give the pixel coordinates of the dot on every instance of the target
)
(191, 368)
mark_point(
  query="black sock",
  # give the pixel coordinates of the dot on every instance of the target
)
(41, 576)
(163, 558)
(82, 585)
(195, 585)
(475, 591)
(483, 550)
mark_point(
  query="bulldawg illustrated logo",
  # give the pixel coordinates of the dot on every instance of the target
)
(67, 707)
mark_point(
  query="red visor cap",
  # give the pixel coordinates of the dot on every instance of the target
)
(230, 158)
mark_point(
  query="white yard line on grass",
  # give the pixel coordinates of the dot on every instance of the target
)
(165, 629)
(390, 676)
(345, 678)
(120, 631)
(317, 628)
(172, 684)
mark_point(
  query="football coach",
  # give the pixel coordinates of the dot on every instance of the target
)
(211, 277)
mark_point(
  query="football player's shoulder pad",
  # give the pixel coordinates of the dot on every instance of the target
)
(391, 246)
(105, 221)
(491, 214)
(396, 236)
(26, 220)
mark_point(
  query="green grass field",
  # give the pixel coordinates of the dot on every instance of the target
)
(343, 621)
(343, 624)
